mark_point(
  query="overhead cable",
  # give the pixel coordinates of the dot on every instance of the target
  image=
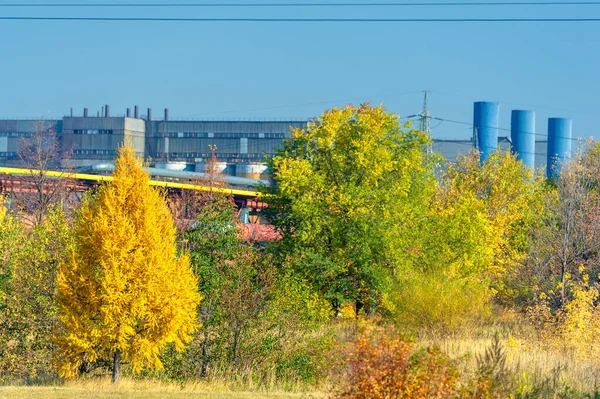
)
(290, 5)
(301, 20)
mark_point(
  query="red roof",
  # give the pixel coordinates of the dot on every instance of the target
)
(259, 232)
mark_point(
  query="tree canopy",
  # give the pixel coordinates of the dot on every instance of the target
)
(124, 292)
(348, 190)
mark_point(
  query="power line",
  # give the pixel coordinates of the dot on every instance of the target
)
(290, 5)
(300, 20)
(501, 128)
(466, 143)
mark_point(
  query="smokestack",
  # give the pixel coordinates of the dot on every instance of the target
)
(522, 134)
(166, 114)
(107, 111)
(559, 145)
(71, 112)
(129, 112)
(85, 112)
(485, 127)
(149, 115)
(136, 112)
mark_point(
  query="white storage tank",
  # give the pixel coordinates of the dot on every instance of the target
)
(250, 170)
(218, 167)
(175, 166)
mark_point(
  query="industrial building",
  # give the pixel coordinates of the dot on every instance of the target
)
(241, 146)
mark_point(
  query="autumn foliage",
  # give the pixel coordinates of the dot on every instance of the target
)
(369, 231)
(386, 366)
(124, 291)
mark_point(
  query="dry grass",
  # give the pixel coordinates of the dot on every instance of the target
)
(533, 363)
(132, 389)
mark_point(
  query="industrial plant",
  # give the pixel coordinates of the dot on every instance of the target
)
(180, 148)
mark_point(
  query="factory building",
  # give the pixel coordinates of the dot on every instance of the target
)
(12, 133)
(241, 146)
(96, 140)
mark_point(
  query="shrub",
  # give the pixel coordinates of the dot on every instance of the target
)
(390, 367)
(430, 303)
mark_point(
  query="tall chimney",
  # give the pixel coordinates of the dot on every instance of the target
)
(107, 111)
(136, 112)
(129, 112)
(85, 112)
(560, 131)
(485, 128)
(166, 114)
(522, 134)
(71, 112)
(149, 115)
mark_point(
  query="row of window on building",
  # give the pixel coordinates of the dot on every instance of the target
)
(7, 154)
(94, 152)
(220, 155)
(93, 131)
(15, 134)
(190, 135)
(186, 135)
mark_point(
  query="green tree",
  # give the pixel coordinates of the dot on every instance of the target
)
(11, 239)
(252, 317)
(472, 242)
(348, 191)
(124, 292)
(233, 280)
(28, 317)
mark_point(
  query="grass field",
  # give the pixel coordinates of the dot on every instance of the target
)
(78, 393)
(129, 389)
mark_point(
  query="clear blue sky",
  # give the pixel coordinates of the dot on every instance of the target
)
(232, 70)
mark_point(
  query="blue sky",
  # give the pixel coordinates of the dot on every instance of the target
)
(276, 70)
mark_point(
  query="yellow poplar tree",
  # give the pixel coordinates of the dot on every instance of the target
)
(124, 293)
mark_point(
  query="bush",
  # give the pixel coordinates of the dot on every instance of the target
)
(390, 367)
(431, 303)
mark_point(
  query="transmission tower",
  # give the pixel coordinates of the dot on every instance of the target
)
(425, 119)
(425, 116)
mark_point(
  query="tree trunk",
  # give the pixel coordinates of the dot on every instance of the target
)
(358, 305)
(563, 281)
(204, 355)
(116, 372)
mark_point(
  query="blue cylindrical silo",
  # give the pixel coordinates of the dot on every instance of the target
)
(485, 125)
(522, 134)
(559, 145)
